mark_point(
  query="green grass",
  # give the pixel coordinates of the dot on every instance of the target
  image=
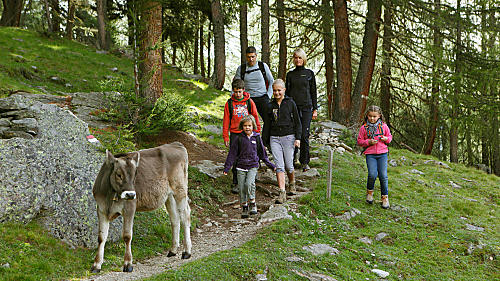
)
(427, 236)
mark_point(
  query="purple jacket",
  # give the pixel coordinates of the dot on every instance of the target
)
(244, 151)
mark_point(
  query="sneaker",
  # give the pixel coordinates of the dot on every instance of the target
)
(385, 201)
(235, 189)
(244, 212)
(305, 168)
(369, 196)
(253, 208)
(291, 190)
(281, 198)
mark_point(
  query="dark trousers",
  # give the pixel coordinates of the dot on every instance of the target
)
(232, 138)
(261, 104)
(305, 119)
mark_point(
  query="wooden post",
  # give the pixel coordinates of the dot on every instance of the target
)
(330, 171)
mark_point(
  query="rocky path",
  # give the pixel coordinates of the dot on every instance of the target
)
(204, 244)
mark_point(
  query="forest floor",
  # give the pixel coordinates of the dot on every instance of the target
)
(217, 233)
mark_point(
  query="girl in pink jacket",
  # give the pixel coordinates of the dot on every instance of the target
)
(374, 136)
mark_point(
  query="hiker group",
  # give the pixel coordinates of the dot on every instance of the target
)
(286, 110)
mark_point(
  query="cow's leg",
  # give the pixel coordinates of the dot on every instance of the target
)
(185, 214)
(174, 223)
(128, 225)
(102, 237)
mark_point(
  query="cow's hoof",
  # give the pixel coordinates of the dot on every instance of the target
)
(170, 254)
(128, 268)
(95, 270)
(185, 255)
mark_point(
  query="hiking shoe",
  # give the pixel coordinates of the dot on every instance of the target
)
(385, 201)
(235, 189)
(253, 208)
(291, 190)
(305, 168)
(281, 198)
(244, 212)
(369, 196)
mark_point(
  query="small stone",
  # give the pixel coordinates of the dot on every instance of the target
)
(454, 185)
(114, 69)
(321, 249)
(365, 240)
(294, 259)
(381, 236)
(474, 228)
(6, 265)
(415, 171)
(380, 273)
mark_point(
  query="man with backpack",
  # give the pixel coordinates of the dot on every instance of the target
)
(258, 80)
(238, 106)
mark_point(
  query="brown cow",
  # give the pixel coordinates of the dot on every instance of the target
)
(139, 181)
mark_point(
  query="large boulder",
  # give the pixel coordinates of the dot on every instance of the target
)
(47, 170)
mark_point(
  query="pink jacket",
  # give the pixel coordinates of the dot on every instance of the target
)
(378, 148)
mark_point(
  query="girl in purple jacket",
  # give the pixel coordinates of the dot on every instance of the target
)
(247, 150)
(374, 136)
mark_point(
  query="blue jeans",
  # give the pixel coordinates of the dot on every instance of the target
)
(377, 166)
(246, 184)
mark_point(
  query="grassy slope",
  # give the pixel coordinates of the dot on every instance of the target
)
(427, 241)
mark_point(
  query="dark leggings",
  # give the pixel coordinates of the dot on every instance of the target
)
(305, 119)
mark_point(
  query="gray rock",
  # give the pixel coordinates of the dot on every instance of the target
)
(5, 122)
(294, 259)
(275, 212)
(438, 163)
(321, 249)
(333, 125)
(210, 168)
(313, 276)
(381, 236)
(6, 265)
(473, 227)
(473, 247)
(349, 214)
(25, 124)
(51, 177)
(415, 171)
(365, 240)
(380, 273)
(454, 185)
(213, 129)
(311, 173)
(393, 163)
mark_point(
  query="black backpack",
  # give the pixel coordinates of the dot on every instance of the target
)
(243, 71)
(230, 106)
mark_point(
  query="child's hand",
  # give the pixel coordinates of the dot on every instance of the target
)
(225, 174)
(384, 138)
(372, 141)
(274, 169)
(297, 143)
(226, 143)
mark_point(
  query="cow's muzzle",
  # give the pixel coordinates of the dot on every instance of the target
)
(128, 195)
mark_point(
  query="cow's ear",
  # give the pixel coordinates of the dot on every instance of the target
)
(136, 157)
(110, 159)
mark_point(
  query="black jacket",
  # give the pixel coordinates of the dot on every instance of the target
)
(301, 87)
(284, 120)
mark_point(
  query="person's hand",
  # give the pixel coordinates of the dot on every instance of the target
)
(226, 143)
(274, 169)
(315, 114)
(225, 174)
(384, 138)
(297, 143)
(372, 142)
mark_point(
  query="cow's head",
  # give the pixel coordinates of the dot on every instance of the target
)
(123, 174)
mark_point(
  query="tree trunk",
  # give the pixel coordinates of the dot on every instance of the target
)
(264, 32)
(495, 141)
(196, 42)
(343, 62)
(202, 43)
(367, 61)
(47, 15)
(55, 15)
(280, 11)
(174, 53)
(150, 67)
(219, 45)
(243, 31)
(130, 5)
(70, 23)
(209, 47)
(328, 52)
(101, 24)
(457, 90)
(436, 72)
(385, 87)
(11, 14)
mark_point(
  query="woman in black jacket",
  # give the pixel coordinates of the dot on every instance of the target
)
(301, 87)
(283, 133)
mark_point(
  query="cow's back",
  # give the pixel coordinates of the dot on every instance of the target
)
(162, 170)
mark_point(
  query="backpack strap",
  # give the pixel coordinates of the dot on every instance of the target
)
(243, 71)
(259, 146)
(263, 71)
(230, 106)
